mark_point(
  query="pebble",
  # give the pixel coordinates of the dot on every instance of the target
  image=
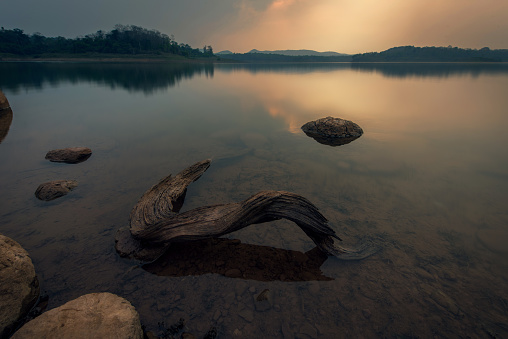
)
(217, 315)
(246, 314)
(263, 302)
(308, 330)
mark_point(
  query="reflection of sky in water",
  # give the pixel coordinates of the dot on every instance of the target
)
(428, 178)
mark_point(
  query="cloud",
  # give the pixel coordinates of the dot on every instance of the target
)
(348, 26)
(354, 26)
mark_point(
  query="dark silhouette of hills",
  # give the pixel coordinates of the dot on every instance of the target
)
(434, 54)
(395, 54)
(299, 52)
(286, 56)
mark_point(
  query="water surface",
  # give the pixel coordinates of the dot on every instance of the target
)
(427, 182)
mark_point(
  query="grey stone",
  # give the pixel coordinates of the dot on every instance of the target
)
(19, 287)
(332, 131)
(96, 315)
(72, 155)
(54, 189)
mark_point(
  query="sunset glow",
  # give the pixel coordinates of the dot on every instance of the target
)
(345, 26)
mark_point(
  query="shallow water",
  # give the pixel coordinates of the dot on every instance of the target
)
(427, 182)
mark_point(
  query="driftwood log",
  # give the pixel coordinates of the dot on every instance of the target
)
(155, 222)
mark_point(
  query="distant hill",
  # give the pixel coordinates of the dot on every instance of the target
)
(434, 54)
(299, 52)
(289, 52)
(226, 52)
(395, 54)
(285, 56)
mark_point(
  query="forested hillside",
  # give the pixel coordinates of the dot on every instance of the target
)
(434, 54)
(121, 40)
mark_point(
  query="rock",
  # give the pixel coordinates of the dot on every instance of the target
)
(126, 245)
(19, 287)
(5, 117)
(247, 315)
(216, 315)
(308, 330)
(54, 189)
(263, 302)
(96, 315)
(332, 131)
(72, 155)
(4, 103)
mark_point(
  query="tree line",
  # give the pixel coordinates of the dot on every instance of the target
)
(123, 39)
(434, 54)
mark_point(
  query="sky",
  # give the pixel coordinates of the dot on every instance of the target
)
(344, 26)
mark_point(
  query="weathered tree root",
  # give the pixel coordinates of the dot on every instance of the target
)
(155, 223)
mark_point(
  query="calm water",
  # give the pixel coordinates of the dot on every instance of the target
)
(427, 182)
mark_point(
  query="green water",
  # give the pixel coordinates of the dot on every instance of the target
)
(427, 182)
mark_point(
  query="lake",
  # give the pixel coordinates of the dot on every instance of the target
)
(427, 183)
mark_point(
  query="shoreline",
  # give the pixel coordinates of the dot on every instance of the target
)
(109, 58)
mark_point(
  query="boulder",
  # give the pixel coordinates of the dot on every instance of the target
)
(71, 155)
(332, 131)
(54, 189)
(5, 116)
(96, 315)
(19, 287)
(4, 103)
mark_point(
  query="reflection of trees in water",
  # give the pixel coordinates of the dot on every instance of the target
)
(290, 68)
(138, 77)
(441, 70)
(150, 77)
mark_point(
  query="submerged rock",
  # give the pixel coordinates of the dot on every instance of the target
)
(332, 131)
(72, 155)
(55, 189)
(96, 315)
(19, 286)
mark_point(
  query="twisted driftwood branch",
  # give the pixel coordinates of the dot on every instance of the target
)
(155, 223)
